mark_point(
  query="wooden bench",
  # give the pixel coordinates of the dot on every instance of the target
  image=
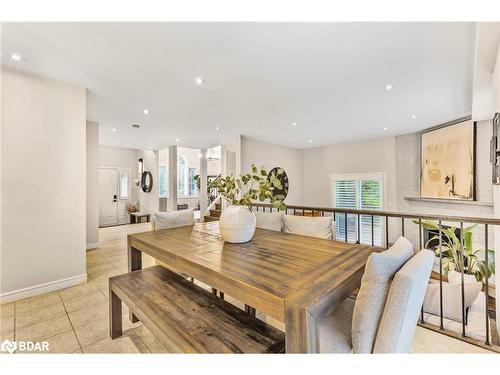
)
(187, 318)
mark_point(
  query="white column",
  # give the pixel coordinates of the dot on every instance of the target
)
(203, 184)
(172, 178)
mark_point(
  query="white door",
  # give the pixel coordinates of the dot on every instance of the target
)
(108, 197)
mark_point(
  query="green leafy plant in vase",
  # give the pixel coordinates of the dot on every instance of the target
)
(451, 250)
(237, 221)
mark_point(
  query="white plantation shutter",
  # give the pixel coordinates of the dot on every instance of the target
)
(346, 196)
(370, 200)
(358, 194)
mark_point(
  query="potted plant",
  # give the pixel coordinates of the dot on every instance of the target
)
(452, 249)
(237, 221)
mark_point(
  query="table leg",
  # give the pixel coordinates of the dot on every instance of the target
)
(301, 331)
(250, 310)
(115, 315)
(134, 264)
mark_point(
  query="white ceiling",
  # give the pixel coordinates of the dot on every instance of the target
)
(329, 78)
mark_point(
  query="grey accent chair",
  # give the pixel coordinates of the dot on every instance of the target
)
(394, 330)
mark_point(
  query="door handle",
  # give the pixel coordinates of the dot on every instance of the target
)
(114, 198)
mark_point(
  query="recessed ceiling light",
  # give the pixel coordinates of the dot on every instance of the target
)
(177, 139)
(294, 124)
(385, 128)
(310, 141)
(413, 116)
(200, 81)
(114, 129)
(217, 128)
(16, 57)
(146, 111)
(388, 87)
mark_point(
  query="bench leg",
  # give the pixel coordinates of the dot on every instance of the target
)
(250, 310)
(134, 264)
(115, 315)
(221, 295)
(214, 291)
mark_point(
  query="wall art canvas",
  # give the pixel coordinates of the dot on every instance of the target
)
(448, 162)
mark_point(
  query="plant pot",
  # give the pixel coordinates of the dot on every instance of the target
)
(237, 224)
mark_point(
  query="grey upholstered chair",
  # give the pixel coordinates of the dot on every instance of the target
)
(387, 319)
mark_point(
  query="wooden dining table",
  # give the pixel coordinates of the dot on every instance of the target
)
(296, 279)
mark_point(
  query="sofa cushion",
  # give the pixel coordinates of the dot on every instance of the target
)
(173, 219)
(320, 227)
(404, 301)
(269, 220)
(379, 271)
(335, 329)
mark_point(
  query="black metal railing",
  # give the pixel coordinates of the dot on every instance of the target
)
(417, 219)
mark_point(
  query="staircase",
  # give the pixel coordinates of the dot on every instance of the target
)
(214, 213)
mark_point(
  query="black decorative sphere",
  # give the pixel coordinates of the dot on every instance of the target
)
(283, 179)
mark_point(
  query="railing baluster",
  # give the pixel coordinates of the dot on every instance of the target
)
(345, 226)
(462, 258)
(441, 275)
(403, 226)
(387, 232)
(486, 284)
(373, 239)
(420, 248)
(359, 228)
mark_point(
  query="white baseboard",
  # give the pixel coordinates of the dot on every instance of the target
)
(92, 245)
(31, 291)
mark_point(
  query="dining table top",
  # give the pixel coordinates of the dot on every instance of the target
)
(273, 268)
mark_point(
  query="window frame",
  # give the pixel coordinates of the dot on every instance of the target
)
(363, 176)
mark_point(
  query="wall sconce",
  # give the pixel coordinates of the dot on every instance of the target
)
(495, 151)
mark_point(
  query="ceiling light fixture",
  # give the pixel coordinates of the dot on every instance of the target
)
(388, 87)
(385, 128)
(177, 139)
(200, 81)
(146, 111)
(114, 129)
(310, 141)
(217, 128)
(294, 124)
(16, 57)
(414, 116)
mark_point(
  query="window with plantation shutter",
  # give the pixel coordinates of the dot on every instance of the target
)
(356, 192)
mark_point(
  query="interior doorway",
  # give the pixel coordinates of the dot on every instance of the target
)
(114, 194)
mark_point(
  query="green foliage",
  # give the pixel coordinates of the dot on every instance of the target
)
(452, 251)
(250, 187)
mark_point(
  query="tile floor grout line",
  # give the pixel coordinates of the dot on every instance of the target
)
(72, 327)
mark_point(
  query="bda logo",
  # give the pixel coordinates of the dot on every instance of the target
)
(8, 346)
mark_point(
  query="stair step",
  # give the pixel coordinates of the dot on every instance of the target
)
(218, 206)
(215, 213)
(211, 218)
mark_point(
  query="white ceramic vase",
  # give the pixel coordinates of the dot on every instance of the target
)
(237, 224)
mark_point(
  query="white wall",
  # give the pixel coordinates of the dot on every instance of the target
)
(43, 185)
(271, 155)
(320, 163)
(92, 153)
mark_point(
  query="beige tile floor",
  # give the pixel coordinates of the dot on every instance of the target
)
(75, 320)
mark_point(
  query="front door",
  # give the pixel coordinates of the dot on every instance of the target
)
(108, 197)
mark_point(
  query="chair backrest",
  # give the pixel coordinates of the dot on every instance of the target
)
(320, 227)
(269, 220)
(403, 304)
(379, 273)
(172, 219)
